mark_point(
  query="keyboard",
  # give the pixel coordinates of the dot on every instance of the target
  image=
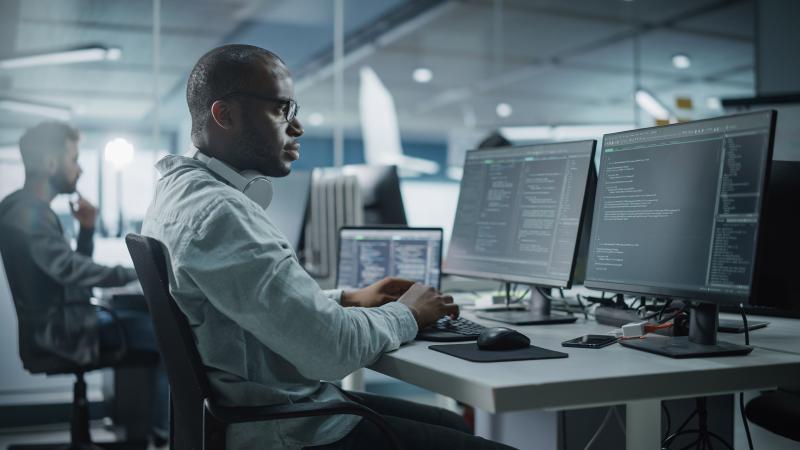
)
(449, 330)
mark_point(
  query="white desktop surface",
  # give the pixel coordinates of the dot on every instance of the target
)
(594, 377)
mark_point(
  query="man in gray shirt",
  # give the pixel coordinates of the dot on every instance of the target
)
(265, 331)
(47, 277)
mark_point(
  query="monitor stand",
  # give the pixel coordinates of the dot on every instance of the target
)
(701, 342)
(539, 313)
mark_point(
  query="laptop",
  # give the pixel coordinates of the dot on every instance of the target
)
(368, 254)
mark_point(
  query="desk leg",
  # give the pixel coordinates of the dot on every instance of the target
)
(643, 425)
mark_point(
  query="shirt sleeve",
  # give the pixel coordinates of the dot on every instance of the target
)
(334, 294)
(53, 255)
(85, 242)
(253, 279)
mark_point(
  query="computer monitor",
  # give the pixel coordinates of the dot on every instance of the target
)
(520, 214)
(368, 254)
(774, 291)
(677, 215)
(380, 193)
(289, 205)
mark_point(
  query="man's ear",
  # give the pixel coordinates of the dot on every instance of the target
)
(51, 165)
(222, 114)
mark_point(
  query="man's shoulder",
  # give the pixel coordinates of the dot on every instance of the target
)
(193, 196)
(23, 209)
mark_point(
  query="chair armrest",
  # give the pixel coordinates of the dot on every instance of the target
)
(241, 414)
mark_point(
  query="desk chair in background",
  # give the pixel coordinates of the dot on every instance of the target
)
(36, 360)
(196, 419)
(776, 411)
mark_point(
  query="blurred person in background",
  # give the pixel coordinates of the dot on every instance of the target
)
(45, 273)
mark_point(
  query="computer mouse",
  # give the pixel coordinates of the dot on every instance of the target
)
(501, 338)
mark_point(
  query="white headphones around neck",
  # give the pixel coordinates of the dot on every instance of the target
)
(254, 185)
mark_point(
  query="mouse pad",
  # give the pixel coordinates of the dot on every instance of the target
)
(471, 352)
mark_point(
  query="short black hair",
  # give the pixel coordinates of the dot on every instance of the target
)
(219, 72)
(46, 139)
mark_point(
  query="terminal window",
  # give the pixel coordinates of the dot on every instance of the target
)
(678, 206)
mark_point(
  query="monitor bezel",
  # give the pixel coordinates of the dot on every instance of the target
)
(387, 228)
(525, 279)
(688, 294)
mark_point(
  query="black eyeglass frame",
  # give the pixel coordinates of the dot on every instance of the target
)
(291, 110)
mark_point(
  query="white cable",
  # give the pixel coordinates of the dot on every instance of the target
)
(601, 427)
(619, 420)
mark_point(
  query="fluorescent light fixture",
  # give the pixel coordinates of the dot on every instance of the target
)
(86, 54)
(562, 132)
(37, 109)
(713, 103)
(119, 153)
(681, 61)
(316, 119)
(422, 75)
(649, 103)
(504, 110)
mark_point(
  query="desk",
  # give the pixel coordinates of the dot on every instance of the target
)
(607, 376)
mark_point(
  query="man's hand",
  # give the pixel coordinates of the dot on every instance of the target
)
(378, 293)
(84, 211)
(428, 305)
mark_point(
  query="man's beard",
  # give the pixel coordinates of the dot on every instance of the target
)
(61, 184)
(257, 153)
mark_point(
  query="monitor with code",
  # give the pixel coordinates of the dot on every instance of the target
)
(367, 255)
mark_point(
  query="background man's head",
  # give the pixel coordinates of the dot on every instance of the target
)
(50, 149)
(239, 97)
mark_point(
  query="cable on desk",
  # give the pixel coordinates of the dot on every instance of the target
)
(669, 421)
(741, 394)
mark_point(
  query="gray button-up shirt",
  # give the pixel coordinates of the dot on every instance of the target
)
(265, 331)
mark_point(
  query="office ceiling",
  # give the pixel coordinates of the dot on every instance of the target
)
(554, 61)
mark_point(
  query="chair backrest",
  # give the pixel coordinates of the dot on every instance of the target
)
(189, 384)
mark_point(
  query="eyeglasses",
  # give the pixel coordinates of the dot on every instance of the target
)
(289, 105)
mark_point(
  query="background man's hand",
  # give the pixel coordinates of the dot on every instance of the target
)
(379, 293)
(84, 212)
(428, 305)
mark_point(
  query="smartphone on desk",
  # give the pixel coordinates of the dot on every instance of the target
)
(591, 341)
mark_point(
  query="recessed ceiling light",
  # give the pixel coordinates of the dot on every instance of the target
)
(315, 119)
(681, 61)
(422, 75)
(504, 110)
(713, 103)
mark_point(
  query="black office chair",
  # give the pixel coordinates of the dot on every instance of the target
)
(197, 420)
(37, 360)
(776, 411)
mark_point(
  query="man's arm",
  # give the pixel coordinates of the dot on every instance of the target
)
(52, 255)
(86, 214)
(250, 278)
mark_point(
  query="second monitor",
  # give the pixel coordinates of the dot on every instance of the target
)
(520, 216)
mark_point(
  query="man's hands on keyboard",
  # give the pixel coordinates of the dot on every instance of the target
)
(427, 304)
(459, 326)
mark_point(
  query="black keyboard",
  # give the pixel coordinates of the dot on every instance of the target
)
(449, 330)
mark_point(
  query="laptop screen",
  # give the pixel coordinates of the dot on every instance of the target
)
(367, 255)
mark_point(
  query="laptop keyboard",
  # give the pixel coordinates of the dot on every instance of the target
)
(450, 330)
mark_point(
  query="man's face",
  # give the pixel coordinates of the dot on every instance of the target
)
(266, 141)
(67, 172)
